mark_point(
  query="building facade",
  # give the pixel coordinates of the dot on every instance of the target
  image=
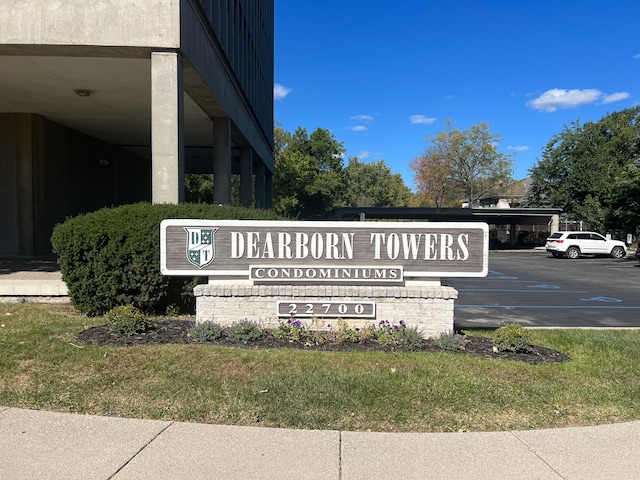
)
(112, 101)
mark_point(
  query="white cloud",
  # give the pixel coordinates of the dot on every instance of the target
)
(358, 128)
(363, 155)
(556, 98)
(421, 119)
(637, 56)
(280, 91)
(615, 97)
(362, 118)
(518, 148)
(448, 97)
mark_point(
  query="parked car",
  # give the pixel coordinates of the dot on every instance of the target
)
(638, 251)
(574, 244)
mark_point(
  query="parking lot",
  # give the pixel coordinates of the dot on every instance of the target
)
(537, 290)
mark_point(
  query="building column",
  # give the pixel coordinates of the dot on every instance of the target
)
(261, 186)
(167, 128)
(222, 161)
(554, 223)
(246, 177)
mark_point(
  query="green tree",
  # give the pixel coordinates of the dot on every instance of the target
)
(624, 212)
(462, 165)
(580, 166)
(198, 188)
(309, 173)
(374, 185)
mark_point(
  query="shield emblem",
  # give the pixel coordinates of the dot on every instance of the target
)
(201, 248)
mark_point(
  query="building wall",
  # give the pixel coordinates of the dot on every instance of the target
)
(126, 23)
(244, 31)
(8, 186)
(49, 172)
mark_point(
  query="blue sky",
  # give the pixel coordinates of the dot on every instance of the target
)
(381, 75)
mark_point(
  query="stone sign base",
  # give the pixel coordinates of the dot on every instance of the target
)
(427, 308)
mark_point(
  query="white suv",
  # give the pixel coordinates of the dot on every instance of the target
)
(574, 244)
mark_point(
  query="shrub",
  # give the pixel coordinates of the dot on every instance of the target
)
(111, 257)
(512, 337)
(244, 330)
(206, 332)
(449, 341)
(126, 320)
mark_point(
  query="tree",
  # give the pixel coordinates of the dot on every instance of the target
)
(624, 213)
(581, 165)
(308, 172)
(374, 185)
(432, 178)
(461, 165)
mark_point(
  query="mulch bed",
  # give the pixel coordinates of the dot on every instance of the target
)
(171, 331)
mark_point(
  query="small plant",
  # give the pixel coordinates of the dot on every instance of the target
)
(512, 337)
(449, 341)
(390, 334)
(173, 310)
(244, 330)
(292, 330)
(342, 332)
(126, 320)
(206, 332)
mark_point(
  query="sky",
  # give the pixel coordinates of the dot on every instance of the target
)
(383, 75)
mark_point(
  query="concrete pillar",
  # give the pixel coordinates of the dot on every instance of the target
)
(513, 234)
(246, 177)
(555, 223)
(222, 161)
(167, 128)
(261, 186)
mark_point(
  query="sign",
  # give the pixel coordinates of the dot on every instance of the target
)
(355, 253)
(313, 308)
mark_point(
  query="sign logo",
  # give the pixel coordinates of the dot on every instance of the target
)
(201, 248)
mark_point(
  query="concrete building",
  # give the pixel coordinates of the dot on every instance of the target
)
(107, 102)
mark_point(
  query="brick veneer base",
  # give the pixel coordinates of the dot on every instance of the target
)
(429, 308)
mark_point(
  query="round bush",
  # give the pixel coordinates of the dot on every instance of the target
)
(126, 320)
(111, 257)
(512, 338)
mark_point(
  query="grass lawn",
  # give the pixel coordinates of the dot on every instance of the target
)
(43, 366)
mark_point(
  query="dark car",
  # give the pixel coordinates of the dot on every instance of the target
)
(638, 251)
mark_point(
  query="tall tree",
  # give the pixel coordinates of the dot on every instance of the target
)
(432, 177)
(374, 185)
(462, 165)
(580, 166)
(308, 175)
(624, 212)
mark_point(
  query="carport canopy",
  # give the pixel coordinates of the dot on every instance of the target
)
(492, 216)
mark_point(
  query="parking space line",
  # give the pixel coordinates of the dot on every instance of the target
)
(554, 307)
(519, 291)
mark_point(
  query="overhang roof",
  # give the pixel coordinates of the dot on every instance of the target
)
(117, 109)
(494, 216)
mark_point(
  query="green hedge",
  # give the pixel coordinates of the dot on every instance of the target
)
(111, 257)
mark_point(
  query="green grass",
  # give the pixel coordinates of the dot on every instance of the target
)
(42, 366)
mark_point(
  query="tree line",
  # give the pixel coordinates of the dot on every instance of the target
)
(591, 171)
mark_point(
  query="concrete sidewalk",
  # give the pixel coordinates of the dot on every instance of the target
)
(38, 445)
